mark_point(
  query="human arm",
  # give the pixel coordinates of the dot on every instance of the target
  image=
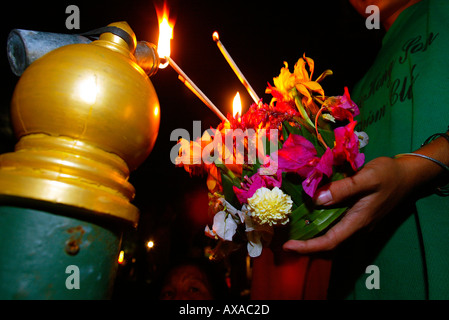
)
(374, 191)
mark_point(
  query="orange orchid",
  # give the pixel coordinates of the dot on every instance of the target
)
(284, 83)
(304, 83)
(204, 154)
(300, 87)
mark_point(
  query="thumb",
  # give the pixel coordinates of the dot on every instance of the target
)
(344, 189)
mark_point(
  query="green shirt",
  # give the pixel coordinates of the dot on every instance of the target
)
(403, 99)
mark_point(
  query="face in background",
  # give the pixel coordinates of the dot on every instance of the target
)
(187, 282)
(389, 9)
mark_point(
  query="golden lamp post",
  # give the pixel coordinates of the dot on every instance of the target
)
(85, 115)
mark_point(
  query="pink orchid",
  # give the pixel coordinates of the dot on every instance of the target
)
(299, 155)
(347, 147)
(314, 178)
(255, 182)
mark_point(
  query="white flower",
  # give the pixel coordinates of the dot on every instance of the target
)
(226, 222)
(254, 245)
(270, 206)
(255, 233)
(237, 214)
(363, 138)
(224, 226)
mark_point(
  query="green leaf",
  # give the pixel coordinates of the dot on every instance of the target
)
(303, 112)
(328, 137)
(249, 170)
(293, 188)
(291, 129)
(228, 191)
(285, 132)
(306, 220)
(306, 223)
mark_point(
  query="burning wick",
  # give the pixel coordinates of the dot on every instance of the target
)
(192, 86)
(237, 106)
(165, 35)
(163, 50)
(234, 67)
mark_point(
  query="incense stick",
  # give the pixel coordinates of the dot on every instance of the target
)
(192, 86)
(234, 67)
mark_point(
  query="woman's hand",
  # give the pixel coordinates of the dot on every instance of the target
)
(374, 191)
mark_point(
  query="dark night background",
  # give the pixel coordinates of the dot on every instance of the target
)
(259, 36)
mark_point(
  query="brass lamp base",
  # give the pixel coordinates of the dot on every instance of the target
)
(63, 170)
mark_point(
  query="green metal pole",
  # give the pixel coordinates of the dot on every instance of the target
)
(52, 255)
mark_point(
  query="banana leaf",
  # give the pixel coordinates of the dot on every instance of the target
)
(306, 223)
(227, 183)
(306, 219)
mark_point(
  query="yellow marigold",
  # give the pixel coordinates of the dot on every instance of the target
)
(270, 206)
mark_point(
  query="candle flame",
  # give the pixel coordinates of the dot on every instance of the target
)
(237, 105)
(121, 257)
(165, 35)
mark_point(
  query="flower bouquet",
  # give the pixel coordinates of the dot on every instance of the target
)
(264, 167)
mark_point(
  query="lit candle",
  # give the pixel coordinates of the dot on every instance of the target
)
(165, 35)
(237, 107)
(234, 67)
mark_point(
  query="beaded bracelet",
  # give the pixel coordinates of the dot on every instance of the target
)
(441, 191)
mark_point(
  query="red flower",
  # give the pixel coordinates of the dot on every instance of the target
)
(268, 116)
